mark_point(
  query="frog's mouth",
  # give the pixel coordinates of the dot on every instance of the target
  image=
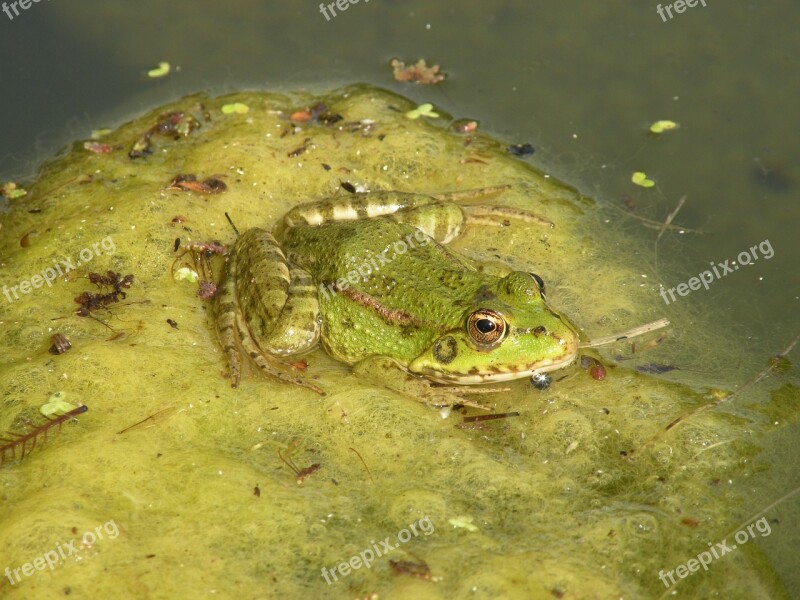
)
(498, 374)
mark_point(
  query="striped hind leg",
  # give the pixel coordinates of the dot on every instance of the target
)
(266, 308)
(439, 216)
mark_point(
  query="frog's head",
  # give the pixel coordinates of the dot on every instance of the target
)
(508, 333)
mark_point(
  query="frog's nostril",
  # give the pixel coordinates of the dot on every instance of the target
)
(540, 330)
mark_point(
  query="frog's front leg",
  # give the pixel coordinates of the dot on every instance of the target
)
(268, 308)
(387, 372)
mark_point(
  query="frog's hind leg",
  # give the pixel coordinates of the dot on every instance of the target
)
(371, 205)
(461, 195)
(268, 307)
(227, 328)
(478, 214)
(349, 208)
(437, 215)
(444, 220)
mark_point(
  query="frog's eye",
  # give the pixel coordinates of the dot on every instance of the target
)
(539, 281)
(486, 326)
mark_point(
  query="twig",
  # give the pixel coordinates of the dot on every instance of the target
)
(667, 223)
(657, 224)
(714, 403)
(227, 216)
(489, 417)
(636, 331)
(363, 463)
(670, 216)
(153, 416)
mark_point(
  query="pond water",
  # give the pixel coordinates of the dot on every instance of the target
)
(579, 81)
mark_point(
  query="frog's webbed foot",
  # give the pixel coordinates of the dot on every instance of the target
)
(440, 397)
(486, 192)
(460, 391)
(388, 373)
(270, 365)
(480, 214)
(500, 215)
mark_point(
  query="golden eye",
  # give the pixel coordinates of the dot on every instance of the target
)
(486, 326)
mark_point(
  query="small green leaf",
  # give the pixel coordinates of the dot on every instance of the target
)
(11, 191)
(423, 110)
(641, 179)
(161, 70)
(236, 107)
(56, 405)
(98, 133)
(661, 126)
(463, 522)
(187, 274)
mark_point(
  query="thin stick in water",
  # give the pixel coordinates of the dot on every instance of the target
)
(636, 331)
(714, 403)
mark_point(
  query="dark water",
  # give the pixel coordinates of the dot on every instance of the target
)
(581, 81)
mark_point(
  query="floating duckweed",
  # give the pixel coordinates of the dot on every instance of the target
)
(640, 178)
(56, 405)
(185, 273)
(717, 394)
(96, 134)
(423, 110)
(661, 126)
(463, 522)
(236, 107)
(161, 70)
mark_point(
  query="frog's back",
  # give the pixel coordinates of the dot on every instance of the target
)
(385, 287)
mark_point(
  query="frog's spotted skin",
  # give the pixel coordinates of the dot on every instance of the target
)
(417, 308)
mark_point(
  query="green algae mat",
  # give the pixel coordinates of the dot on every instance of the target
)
(159, 480)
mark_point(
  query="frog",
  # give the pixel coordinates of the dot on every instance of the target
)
(370, 278)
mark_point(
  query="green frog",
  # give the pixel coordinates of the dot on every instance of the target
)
(371, 278)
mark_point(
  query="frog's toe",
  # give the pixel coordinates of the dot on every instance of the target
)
(283, 372)
(440, 397)
(502, 215)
